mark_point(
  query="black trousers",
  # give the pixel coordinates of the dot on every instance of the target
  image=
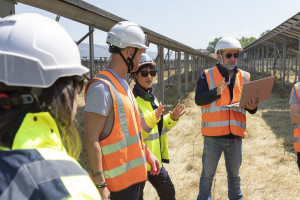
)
(130, 193)
(162, 184)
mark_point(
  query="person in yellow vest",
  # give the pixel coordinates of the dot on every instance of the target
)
(223, 128)
(116, 153)
(155, 126)
(40, 78)
(295, 116)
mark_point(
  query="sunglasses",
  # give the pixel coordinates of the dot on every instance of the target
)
(145, 73)
(78, 83)
(229, 55)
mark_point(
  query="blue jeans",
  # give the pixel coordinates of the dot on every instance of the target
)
(212, 151)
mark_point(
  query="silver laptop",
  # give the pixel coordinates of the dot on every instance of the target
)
(258, 90)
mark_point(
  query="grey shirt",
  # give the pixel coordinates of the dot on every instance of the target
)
(293, 97)
(98, 100)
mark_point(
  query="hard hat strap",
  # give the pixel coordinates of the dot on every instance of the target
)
(129, 61)
(7, 101)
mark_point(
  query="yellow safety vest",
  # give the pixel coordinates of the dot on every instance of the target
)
(38, 167)
(157, 143)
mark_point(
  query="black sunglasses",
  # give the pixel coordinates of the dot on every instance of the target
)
(229, 55)
(145, 73)
(78, 82)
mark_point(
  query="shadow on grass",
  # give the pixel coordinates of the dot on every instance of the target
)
(276, 113)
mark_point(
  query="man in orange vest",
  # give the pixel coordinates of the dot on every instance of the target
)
(295, 116)
(222, 127)
(115, 151)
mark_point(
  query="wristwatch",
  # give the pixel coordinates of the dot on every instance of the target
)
(103, 185)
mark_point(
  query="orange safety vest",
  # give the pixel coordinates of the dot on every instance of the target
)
(297, 127)
(123, 157)
(218, 120)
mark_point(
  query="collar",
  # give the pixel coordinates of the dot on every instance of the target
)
(146, 95)
(224, 72)
(38, 130)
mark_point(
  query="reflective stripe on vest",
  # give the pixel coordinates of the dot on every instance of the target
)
(123, 158)
(38, 172)
(297, 126)
(218, 120)
(144, 125)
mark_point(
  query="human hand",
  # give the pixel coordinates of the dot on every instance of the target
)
(155, 165)
(251, 104)
(104, 193)
(159, 111)
(178, 111)
(222, 86)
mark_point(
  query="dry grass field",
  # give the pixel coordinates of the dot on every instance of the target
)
(269, 170)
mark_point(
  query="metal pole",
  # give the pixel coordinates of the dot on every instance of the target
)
(274, 59)
(267, 64)
(186, 73)
(193, 69)
(262, 61)
(91, 45)
(161, 74)
(284, 63)
(179, 76)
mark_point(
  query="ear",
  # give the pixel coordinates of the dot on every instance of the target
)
(219, 57)
(130, 52)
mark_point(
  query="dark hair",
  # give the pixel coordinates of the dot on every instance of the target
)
(114, 49)
(58, 100)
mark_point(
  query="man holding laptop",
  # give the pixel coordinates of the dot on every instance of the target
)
(223, 127)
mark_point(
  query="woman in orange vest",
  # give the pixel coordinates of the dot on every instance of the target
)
(223, 128)
(295, 116)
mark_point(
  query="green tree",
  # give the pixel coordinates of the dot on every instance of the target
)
(264, 33)
(211, 45)
(246, 41)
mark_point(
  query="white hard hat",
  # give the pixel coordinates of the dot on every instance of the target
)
(35, 51)
(126, 34)
(146, 60)
(228, 43)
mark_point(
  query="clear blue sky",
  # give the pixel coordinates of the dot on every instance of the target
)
(194, 23)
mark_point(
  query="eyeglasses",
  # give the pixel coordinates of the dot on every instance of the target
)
(229, 55)
(145, 73)
(78, 82)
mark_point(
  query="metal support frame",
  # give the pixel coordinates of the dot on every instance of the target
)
(186, 73)
(178, 76)
(161, 73)
(7, 8)
(262, 61)
(193, 69)
(283, 65)
(91, 45)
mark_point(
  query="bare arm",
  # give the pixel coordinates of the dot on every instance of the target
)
(93, 125)
(295, 113)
